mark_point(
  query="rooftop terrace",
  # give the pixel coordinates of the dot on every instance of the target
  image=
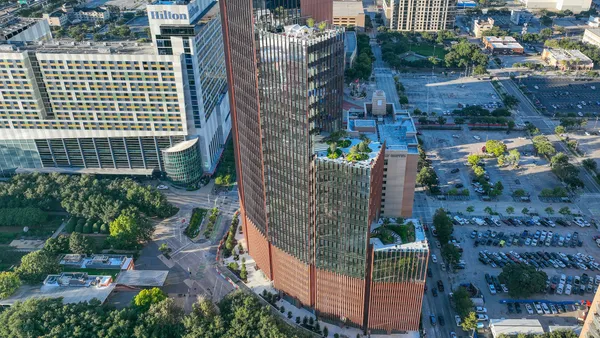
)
(388, 235)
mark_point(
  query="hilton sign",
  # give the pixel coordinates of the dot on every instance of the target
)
(166, 15)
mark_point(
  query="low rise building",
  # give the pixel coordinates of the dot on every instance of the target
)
(349, 13)
(72, 287)
(592, 36)
(513, 327)
(350, 48)
(502, 45)
(104, 262)
(575, 6)
(479, 26)
(594, 21)
(89, 15)
(567, 59)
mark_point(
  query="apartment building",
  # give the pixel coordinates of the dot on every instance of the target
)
(90, 15)
(349, 13)
(312, 194)
(480, 26)
(118, 107)
(419, 15)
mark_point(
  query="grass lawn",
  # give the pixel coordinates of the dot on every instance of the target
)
(384, 236)
(426, 49)
(193, 228)
(406, 232)
(95, 272)
(8, 233)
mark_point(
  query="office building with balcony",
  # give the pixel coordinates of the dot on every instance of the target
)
(311, 193)
(116, 108)
(419, 15)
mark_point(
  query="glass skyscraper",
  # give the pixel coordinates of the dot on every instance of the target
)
(308, 215)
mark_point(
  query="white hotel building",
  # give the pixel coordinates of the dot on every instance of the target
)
(119, 107)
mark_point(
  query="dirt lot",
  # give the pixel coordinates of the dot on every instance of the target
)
(444, 93)
(564, 95)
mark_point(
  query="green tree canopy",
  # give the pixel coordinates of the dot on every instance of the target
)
(443, 225)
(450, 253)
(462, 302)
(523, 280)
(427, 177)
(81, 244)
(129, 229)
(465, 54)
(36, 265)
(148, 297)
(9, 283)
(495, 147)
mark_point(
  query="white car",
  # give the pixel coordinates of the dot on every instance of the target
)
(481, 318)
(560, 288)
(546, 309)
(553, 309)
(434, 258)
(568, 289)
(480, 309)
(457, 320)
(563, 278)
(452, 335)
(455, 136)
(162, 187)
(492, 289)
(529, 309)
(538, 308)
(504, 288)
(476, 137)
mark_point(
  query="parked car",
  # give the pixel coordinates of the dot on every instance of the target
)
(481, 318)
(529, 309)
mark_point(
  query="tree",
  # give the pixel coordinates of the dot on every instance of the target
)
(163, 319)
(510, 210)
(509, 101)
(289, 315)
(549, 211)
(443, 225)
(590, 164)
(495, 147)
(469, 322)
(559, 130)
(441, 120)
(450, 253)
(470, 209)
(525, 211)
(427, 177)
(164, 249)
(36, 265)
(462, 302)
(80, 244)
(9, 283)
(488, 210)
(464, 54)
(325, 331)
(478, 171)
(523, 280)
(543, 146)
(298, 320)
(147, 297)
(480, 70)
(57, 245)
(565, 171)
(513, 157)
(129, 229)
(564, 211)
(243, 272)
(473, 159)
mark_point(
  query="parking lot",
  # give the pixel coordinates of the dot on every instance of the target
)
(564, 95)
(448, 150)
(441, 94)
(570, 258)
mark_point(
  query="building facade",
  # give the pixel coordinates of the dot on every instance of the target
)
(308, 207)
(564, 59)
(419, 15)
(16, 29)
(591, 325)
(349, 13)
(117, 105)
(592, 36)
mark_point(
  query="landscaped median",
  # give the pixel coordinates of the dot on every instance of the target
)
(193, 228)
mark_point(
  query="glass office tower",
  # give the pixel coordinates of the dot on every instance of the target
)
(307, 217)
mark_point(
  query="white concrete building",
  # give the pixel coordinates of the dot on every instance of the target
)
(576, 6)
(112, 107)
(592, 36)
(419, 15)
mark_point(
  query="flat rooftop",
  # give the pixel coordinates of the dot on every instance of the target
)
(69, 294)
(96, 261)
(181, 146)
(15, 24)
(142, 277)
(84, 47)
(348, 8)
(567, 55)
(503, 42)
(593, 31)
(91, 171)
(420, 242)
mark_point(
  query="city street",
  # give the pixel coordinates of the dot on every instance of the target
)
(192, 270)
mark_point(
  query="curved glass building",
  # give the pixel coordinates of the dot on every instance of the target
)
(183, 163)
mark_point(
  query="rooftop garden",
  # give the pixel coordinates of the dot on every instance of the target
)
(406, 231)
